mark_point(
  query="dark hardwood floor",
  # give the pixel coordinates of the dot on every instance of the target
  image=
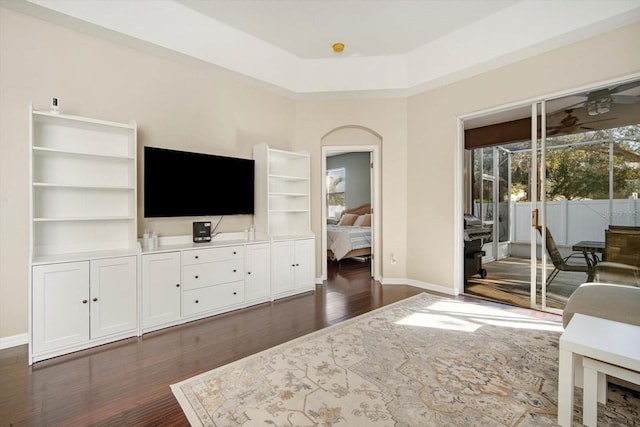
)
(127, 383)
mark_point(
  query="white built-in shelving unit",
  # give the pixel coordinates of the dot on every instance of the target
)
(283, 205)
(83, 186)
(283, 211)
(83, 246)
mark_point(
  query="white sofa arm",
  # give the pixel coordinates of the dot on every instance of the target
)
(608, 301)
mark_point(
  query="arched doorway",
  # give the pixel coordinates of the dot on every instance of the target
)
(353, 142)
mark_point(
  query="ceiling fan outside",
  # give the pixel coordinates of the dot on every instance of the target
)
(570, 124)
(599, 101)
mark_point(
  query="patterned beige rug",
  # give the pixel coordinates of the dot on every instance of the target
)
(424, 361)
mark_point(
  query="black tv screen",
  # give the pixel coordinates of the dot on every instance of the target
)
(180, 183)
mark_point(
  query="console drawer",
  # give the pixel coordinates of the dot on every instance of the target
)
(215, 273)
(212, 297)
(201, 256)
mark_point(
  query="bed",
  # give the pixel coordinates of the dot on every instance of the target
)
(351, 237)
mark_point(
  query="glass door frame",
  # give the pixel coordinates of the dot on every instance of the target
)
(539, 208)
(537, 267)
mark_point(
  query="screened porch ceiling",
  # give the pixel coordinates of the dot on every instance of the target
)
(566, 115)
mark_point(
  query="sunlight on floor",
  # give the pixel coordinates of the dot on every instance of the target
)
(469, 317)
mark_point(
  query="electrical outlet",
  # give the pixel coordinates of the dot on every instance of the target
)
(393, 258)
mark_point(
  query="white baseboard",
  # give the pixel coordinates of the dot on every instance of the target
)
(399, 281)
(14, 341)
(418, 284)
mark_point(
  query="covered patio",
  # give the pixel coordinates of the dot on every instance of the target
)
(508, 281)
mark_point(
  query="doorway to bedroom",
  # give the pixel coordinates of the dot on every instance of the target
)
(348, 210)
(350, 197)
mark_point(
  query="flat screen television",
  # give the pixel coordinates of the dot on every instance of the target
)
(181, 183)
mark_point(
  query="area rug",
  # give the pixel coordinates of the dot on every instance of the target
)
(423, 361)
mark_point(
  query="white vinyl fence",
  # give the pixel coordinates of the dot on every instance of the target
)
(571, 221)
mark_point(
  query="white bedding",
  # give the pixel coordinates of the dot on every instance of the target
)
(341, 240)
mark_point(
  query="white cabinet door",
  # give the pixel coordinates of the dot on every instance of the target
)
(160, 288)
(114, 302)
(257, 282)
(60, 305)
(305, 264)
(282, 267)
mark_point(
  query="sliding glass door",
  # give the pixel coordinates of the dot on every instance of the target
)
(591, 170)
(548, 180)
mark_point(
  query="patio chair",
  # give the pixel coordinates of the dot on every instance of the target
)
(560, 263)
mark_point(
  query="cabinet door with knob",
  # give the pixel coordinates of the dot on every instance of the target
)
(161, 289)
(305, 264)
(113, 296)
(78, 303)
(283, 268)
(258, 266)
(60, 305)
(292, 266)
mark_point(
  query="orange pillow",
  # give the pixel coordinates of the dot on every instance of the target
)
(348, 219)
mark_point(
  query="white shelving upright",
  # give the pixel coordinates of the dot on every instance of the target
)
(83, 192)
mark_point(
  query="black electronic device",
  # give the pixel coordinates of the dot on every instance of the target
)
(181, 183)
(202, 231)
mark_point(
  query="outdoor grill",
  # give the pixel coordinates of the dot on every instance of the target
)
(474, 234)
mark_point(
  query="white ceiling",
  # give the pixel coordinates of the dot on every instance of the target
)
(393, 47)
(309, 28)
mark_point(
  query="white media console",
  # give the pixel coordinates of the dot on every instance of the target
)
(183, 281)
(78, 304)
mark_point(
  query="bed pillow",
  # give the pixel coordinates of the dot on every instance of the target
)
(348, 219)
(363, 221)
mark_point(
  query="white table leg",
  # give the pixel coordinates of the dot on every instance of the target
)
(602, 388)
(565, 387)
(590, 396)
(577, 370)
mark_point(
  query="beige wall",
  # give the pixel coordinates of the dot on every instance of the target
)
(178, 105)
(195, 107)
(387, 118)
(433, 135)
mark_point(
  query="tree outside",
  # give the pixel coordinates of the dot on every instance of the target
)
(577, 166)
